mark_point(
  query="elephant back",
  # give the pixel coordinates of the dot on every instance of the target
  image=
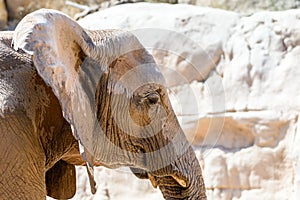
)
(21, 89)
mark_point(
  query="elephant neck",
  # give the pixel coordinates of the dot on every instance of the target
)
(22, 165)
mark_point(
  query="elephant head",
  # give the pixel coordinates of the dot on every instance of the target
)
(115, 100)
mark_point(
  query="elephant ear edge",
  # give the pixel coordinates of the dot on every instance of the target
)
(58, 46)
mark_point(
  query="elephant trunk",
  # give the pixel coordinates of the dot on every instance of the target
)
(182, 179)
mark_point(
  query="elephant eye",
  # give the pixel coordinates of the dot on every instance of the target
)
(152, 98)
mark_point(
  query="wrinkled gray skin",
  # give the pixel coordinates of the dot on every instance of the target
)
(62, 88)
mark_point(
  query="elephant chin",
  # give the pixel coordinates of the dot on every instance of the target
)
(182, 179)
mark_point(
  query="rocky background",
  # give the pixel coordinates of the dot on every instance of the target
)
(234, 83)
(11, 11)
(234, 80)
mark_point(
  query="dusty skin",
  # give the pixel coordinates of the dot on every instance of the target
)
(66, 91)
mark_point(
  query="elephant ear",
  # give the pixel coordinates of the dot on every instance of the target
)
(58, 46)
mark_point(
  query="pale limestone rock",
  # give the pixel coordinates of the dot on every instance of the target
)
(158, 24)
(245, 6)
(17, 9)
(241, 115)
(117, 184)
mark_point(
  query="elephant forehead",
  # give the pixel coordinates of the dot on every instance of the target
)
(136, 77)
(136, 68)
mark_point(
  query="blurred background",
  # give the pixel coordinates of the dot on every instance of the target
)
(232, 69)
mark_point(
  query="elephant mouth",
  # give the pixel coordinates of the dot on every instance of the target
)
(168, 181)
(173, 186)
(158, 179)
(182, 179)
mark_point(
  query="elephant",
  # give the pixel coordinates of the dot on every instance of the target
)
(71, 96)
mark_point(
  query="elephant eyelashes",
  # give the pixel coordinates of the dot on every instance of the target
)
(152, 98)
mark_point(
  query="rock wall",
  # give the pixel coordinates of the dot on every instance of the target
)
(17, 9)
(246, 6)
(234, 83)
(12, 11)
